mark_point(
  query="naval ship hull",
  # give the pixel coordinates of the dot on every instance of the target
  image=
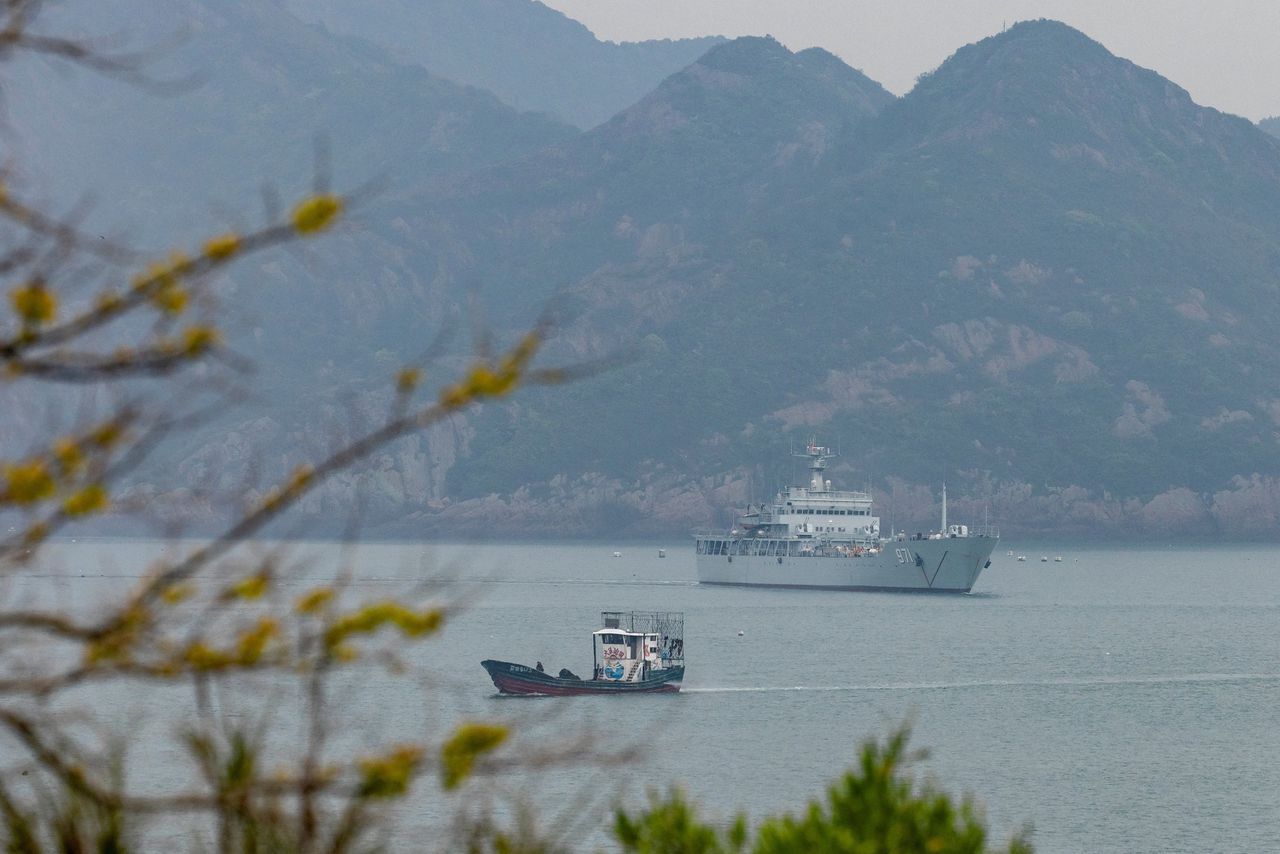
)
(949, 565)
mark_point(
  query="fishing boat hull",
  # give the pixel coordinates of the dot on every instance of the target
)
(511, 678)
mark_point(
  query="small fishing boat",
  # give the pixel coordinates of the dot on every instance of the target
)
(634, 652)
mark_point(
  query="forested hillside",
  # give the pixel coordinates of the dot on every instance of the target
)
(1045, 270)
(1044, 274)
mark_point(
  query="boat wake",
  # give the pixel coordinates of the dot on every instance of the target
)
(1103, 681)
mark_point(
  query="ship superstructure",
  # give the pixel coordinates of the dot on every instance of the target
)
(816, 536)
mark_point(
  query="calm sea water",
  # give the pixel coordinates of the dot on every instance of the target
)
(1125, 699)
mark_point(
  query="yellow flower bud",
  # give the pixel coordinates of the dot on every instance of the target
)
(460, 752)
(253, 642)
(67, 452)
(222, 247)
(170, 297)
(107, 434)
(313, 602)
(201, 656)
(197, 339)
(91, 499)
(27, 483)
(175, 593)
(34, 303)
(455, 396)
(407, 380)
(389, 776)
(316, 213)
(485, 382)
(249, 588)
(300, 478)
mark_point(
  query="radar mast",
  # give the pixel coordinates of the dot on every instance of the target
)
(817, 455)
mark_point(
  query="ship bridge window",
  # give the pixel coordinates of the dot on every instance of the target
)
(613, 639)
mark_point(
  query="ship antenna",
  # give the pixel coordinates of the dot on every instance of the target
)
(944, 508)
(893, 512)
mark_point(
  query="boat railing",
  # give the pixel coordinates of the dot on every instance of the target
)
(667, 624)
(991, 531)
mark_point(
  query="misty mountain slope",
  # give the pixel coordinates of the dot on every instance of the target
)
(262, 87)
(176, 166)
(1048, 98)
(1271, 125)
(530, 55)
(618, 212)
(1042, 240)
(172, 167)
(1047, 206)
(1045, 272)
(680, 168)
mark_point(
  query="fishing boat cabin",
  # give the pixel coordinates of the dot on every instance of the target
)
(634, 645)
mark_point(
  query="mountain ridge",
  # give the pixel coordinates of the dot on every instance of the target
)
(530, 55)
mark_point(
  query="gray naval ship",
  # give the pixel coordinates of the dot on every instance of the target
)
(814, 536)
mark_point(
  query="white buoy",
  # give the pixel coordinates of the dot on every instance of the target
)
(741, 633)
(617, 554)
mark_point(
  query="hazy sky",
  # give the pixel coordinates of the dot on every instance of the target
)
(1225, 53)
